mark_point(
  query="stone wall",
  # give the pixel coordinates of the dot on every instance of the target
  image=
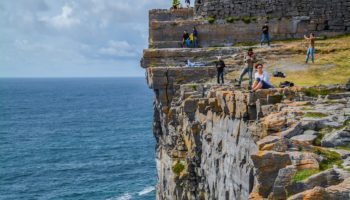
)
(324, 14)
(287, 19)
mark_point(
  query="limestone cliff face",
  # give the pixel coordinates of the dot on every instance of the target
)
(218, 142)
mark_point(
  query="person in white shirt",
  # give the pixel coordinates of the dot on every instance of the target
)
(262, 79)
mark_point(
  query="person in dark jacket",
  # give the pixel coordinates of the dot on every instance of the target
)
(220, 66)
(195, 37)
(265, 35)
(186, 39)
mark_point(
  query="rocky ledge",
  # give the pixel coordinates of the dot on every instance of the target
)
(220, 142)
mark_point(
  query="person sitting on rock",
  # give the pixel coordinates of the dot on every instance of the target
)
(186, 39)
(220, 65)
(262, 79)
(249, 60)
(311, 49)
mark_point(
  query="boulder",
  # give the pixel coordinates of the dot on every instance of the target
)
(324, 179)
(338, 138)
(308, 138)
(304, 160)
(268, 164)
(335, 192)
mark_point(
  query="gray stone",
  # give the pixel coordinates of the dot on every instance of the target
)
(292, 131)
(304, 138)
(338, 138)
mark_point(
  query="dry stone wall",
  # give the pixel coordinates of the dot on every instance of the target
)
(324, 14)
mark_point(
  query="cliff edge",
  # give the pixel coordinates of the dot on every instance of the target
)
(222, 142)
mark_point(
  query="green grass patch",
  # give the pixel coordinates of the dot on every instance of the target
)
(346, 148)
(330, 158)
(314, 115)
(194, 87)
(178, 168)
(314, 92)
(317, 141)
(232, 19)
(303, 174)
(246, 20)
(210, 19)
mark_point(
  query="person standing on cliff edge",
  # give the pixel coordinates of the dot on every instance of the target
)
(265, 35)
(249, 61)
(220, 65)
(311, 49)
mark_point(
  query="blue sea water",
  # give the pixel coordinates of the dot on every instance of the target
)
(76, 139)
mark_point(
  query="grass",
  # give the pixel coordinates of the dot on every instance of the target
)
(211, 19)
(304, 174)
(346, 148)
(330, 158)
(314, 92)
(317, 141)
(178, 168)
(231, 19)
(333, 52)
(315, 115)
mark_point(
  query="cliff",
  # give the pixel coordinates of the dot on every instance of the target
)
(221, 142)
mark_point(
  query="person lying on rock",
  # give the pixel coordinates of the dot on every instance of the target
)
(249, 61)
(220, 65)
(262, 79)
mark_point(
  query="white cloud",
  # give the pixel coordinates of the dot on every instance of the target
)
(118, 49)
(64, 20)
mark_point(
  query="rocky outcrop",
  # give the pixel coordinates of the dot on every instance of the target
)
(217, 142)
(225, 143)
(237, 21)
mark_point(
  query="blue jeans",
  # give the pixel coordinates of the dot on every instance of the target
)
(187, 43)
(311, 51)
(195, 42)
(220, 75)
(264, 37)
(264, 85)
(246, 70)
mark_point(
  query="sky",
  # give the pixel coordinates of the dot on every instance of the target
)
(74, 38)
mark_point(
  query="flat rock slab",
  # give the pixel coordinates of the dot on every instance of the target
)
(309, 138)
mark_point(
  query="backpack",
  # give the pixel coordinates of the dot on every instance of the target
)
(286, 84)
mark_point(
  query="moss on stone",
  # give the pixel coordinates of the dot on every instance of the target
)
(178, 168)
(304, 174)
(330, 158)
(317, 141)
(315, 115)
(210, 19)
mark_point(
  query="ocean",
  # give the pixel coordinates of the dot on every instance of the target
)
(76, 138)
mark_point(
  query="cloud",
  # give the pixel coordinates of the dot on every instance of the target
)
(118, 49)
(74, 34)
(64, 20)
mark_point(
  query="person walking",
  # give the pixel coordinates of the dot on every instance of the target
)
(220, 66)
(265, 35)
(195, 37)
(311, 47)
(249, 61)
